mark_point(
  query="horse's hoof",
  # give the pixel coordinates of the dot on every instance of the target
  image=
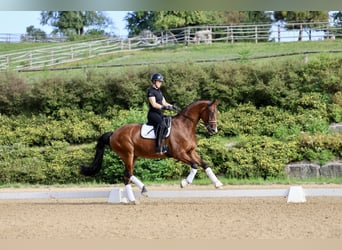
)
(133, 203)
(218, 185)
(183, 183)
(144, 192)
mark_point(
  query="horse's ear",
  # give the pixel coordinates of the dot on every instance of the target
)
(216, 102)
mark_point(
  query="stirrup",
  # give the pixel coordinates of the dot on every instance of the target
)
(162, 149)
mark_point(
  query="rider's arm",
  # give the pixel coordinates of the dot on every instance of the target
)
(165, 103)
(154, 104)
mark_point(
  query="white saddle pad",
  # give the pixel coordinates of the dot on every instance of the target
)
(147, 132)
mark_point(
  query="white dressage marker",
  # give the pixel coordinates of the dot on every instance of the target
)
(296, 194)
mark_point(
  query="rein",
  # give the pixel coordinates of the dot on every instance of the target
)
(206, 124)
(188, 117)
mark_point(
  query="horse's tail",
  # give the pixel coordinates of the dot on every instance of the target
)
(96, 165)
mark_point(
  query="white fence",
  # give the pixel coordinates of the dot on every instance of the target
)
(61, 53)
(64, 53)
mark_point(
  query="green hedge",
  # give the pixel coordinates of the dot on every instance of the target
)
(58, 163)
(261, 84)
(251, 143)
(250, 156)
(72, 126)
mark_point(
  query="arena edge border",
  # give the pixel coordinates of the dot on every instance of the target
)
(118, 195)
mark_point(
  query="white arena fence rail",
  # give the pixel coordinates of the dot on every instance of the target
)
(294, 194)
(61, 54)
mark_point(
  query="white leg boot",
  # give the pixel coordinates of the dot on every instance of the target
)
(130, 194)
(139, 184)
(189, 179)
(213, 177)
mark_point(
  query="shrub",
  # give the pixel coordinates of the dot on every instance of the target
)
(13, 94)
(58, 163)
(250, 157)
(248, 119)
(72, 126)
(260, 156)
(320, 147)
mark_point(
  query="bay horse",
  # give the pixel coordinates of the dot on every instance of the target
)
(128, 144)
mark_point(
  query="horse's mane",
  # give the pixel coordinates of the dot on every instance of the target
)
(191, 105)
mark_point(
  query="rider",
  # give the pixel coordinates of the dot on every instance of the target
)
(157, 103)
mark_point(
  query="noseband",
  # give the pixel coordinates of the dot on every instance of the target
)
(209, 123)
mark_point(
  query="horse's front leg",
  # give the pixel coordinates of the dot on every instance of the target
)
(208, 171)
(211, 174)
(191, 176)
(194, 159)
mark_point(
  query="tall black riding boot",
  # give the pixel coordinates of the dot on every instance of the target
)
(160, 135)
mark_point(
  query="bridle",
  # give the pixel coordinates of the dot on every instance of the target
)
(209, 123)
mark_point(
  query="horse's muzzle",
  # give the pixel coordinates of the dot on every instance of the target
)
(211, 129)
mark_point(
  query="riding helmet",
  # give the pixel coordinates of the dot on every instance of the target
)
(157, 77)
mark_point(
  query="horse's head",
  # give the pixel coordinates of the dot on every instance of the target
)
(209, 117)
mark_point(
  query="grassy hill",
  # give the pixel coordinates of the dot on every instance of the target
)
(196, 53)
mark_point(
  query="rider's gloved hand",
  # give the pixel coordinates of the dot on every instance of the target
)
(174, 107)
(169, 107)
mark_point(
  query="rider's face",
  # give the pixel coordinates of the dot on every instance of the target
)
(158, 83)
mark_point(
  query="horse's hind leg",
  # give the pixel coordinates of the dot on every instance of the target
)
(129, 190)
(129, 177)
(139, 184)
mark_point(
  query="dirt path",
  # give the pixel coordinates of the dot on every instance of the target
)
(183, 218)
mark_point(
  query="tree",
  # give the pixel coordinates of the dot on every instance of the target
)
(174, 19)
(34, 34)
(157, 21)
(137, 21)
(300, 17)
(237, 17)
(165, 20)
(75, 21)
(337, 18)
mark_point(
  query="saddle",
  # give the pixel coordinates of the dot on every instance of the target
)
(147, 131)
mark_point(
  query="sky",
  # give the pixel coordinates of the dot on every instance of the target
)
(16, 22)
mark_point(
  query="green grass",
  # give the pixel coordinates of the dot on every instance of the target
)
(6, 48)
(120, 62)
(218, 51)
(192, 53)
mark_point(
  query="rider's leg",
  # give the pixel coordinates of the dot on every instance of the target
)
(160, 136)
